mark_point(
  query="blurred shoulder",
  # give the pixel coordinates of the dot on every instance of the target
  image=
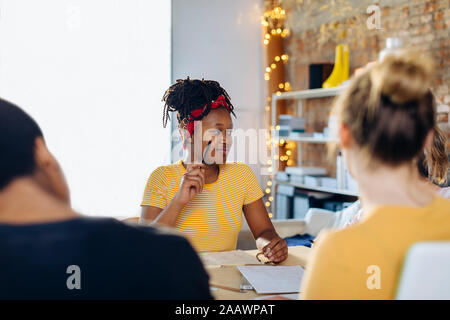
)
(162, 172)
(135, 234)
(443, 200)
(350, 237)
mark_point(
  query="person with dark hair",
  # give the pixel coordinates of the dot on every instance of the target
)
(48, 251)
(386, 118)
(203, 196)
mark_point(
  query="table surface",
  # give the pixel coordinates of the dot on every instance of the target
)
(223, 272)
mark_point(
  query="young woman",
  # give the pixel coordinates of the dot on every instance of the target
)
(432, 166)
(386, 118)
(203, 196)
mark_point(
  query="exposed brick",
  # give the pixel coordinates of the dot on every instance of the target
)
(424, 24)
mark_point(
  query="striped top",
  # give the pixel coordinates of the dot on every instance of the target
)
(213, 218)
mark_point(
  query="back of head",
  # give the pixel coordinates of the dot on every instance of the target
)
(389, 109)
(18, 132)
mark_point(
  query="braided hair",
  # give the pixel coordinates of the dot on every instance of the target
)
(186, 95)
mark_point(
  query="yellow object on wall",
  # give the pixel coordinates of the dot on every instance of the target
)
(341, 67)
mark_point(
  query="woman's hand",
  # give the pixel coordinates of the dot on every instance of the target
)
(275, 249)
(191, 183)
(267, 239)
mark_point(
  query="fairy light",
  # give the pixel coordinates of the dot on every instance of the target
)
(273, 21)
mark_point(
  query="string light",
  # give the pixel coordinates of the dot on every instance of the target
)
(274, 23)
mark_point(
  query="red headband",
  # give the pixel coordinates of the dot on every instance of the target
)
(196, 114)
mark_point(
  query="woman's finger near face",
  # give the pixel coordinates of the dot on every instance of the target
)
(192, 182)
(197, 180)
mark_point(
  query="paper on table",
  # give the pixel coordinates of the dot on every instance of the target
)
(273, 279)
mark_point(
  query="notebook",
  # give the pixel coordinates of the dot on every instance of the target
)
(273, 279)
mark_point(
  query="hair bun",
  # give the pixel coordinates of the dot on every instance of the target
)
(402, 76)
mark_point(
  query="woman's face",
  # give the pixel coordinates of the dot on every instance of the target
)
(216, 132)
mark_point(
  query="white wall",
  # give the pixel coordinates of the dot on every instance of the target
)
(92, 73)
(221, 40)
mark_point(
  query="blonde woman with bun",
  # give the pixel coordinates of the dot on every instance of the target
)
(432, 166)
(386, 119)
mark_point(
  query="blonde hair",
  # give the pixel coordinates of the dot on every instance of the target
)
(389, 108)
(436, 158)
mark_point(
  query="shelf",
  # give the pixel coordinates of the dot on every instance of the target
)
(309, 139)
(321, 189)
(300, 96)
(307, 94)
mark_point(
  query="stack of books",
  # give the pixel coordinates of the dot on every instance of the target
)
(298, 175)
(289, 124)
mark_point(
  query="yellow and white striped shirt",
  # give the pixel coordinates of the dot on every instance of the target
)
(213, 219)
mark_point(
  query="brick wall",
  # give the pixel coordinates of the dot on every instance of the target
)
(421, 23)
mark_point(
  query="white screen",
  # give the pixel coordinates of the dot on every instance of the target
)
(92, 73)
